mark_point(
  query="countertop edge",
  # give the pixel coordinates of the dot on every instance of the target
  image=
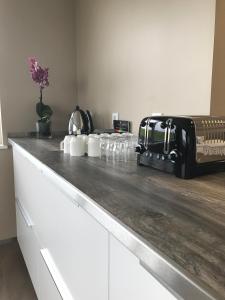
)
(174, 278)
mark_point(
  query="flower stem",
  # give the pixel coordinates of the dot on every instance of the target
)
(40, 95)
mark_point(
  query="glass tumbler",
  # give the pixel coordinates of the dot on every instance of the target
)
(116, 151)
(109, 148)
(123, 150)
(131, 145)
(103, 144)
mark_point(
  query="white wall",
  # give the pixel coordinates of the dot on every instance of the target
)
(142, 56)
(45, 29)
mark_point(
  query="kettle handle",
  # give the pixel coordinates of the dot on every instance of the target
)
(85, 121)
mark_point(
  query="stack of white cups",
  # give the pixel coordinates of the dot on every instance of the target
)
(93, 145)
(80, 145)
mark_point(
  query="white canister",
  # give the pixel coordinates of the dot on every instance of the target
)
(65, 144)
(85, 139)
(94, 146)
(77, 147)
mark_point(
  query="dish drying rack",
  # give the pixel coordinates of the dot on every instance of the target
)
(210, 138)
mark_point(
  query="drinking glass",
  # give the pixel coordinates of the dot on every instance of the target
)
(109, 148)
(131, 145)
(103, 144)
(116, 151)
(123, 150)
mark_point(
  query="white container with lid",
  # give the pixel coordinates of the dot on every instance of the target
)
(85, 139)
(77, 146)
(65, 144)
(93, 145)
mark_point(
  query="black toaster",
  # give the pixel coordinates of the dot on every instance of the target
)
(186, 146)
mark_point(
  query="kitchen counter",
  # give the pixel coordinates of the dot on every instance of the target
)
(176, 227)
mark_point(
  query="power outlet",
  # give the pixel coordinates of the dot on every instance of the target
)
(115, 116)
(155, 114)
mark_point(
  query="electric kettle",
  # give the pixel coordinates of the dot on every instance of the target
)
(80, 122)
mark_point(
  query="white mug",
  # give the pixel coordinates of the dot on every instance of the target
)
(65, 144)
(77, 146)
(94, 146)
(85, 139)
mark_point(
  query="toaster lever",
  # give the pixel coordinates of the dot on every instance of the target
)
(166, 149)
(146, 141)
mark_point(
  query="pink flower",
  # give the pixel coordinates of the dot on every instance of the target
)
(38, 74)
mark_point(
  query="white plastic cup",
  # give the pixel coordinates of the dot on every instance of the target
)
(77, 147)
(94, 146)
(85, 139)
(65, 144)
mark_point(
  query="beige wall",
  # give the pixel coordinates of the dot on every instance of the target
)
(218, 82)
(142, 56)
(133, 56)
(45, 29)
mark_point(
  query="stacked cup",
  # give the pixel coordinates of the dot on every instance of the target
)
(94, 145)
(74, 145)
(115, 147)
(81, 144)
(77, 146)
(118, 147)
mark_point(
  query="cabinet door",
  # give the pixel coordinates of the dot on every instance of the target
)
(41, 277)
(48, 288)
(27, 243)
(129, 280)
(25, 180)
(77, 243)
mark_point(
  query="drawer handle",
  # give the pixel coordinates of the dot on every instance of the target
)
(56, 276)
(25, 215)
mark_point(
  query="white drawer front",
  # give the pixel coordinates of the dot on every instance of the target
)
(41, 277)
(129, 280)
(48, 285)
(76, 242)
(27, 244)
(26, 181)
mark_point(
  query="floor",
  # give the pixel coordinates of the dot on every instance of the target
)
(15, 283)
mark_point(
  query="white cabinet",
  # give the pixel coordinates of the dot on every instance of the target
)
(129, 280)
(48, 287)
(27, 242)
(41, 277)
(69, 255)
(75, 243)
(25, 180)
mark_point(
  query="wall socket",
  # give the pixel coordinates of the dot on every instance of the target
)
(155, 114)
(115, 116)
